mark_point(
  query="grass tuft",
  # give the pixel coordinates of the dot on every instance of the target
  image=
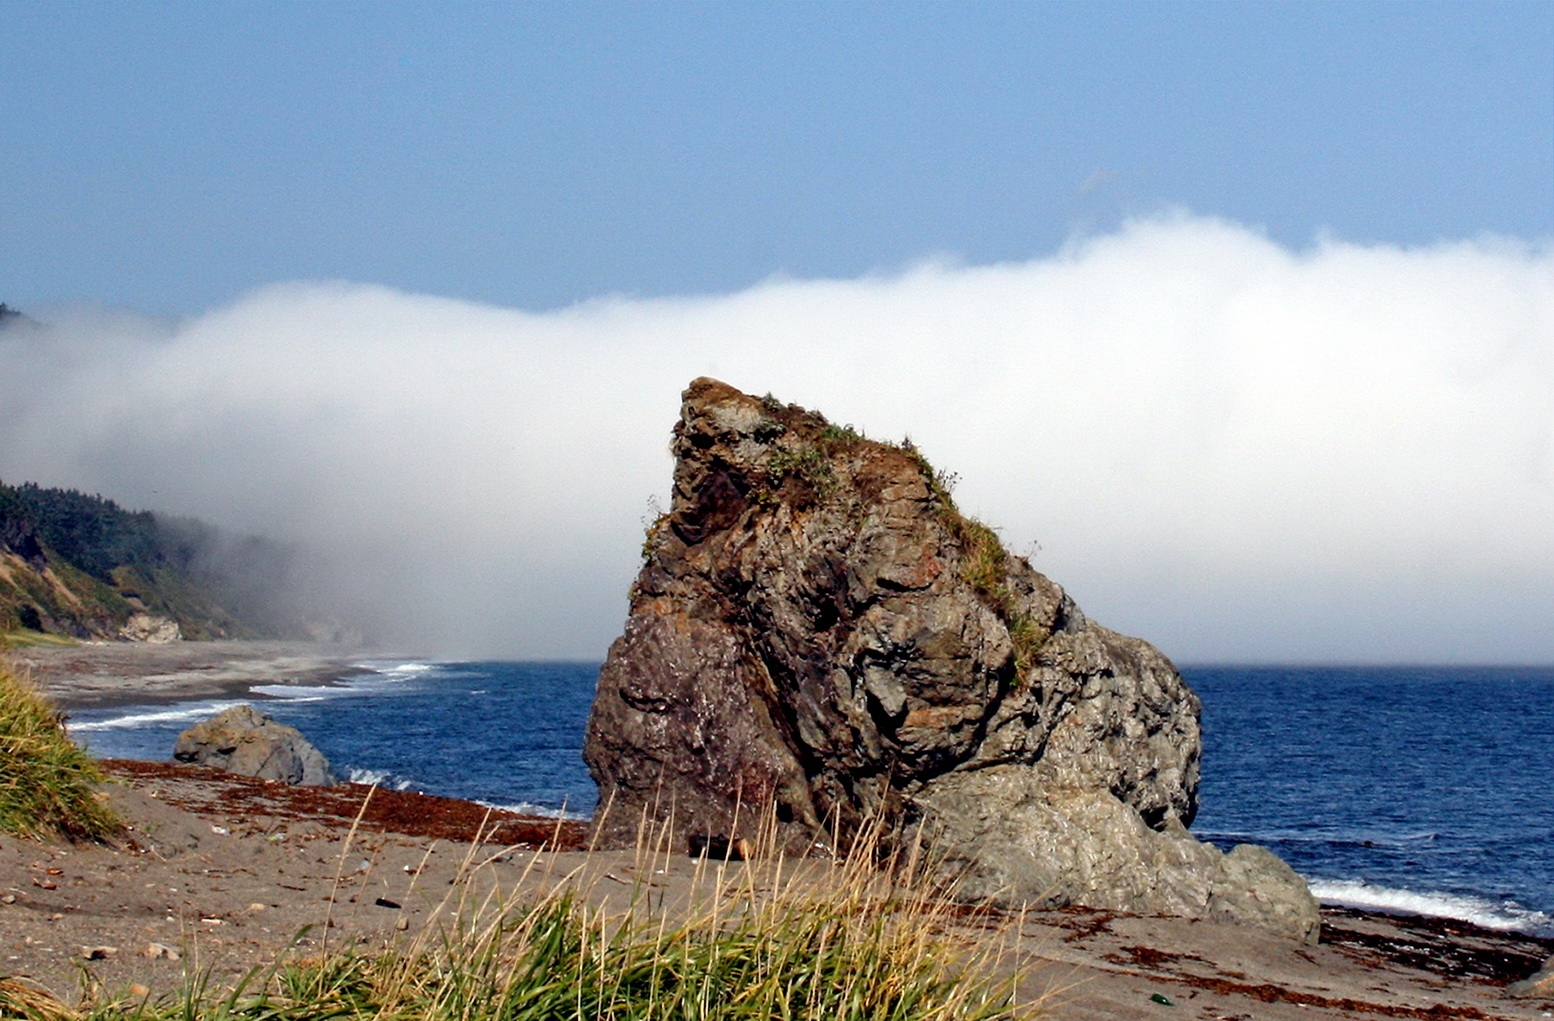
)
(984, 565)
(46, 782)
(801, 461)
(21, 999)
(768, 939)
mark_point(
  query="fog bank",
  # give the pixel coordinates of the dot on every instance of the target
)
(1237, 451)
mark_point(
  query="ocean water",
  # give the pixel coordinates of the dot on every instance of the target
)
(1419, 790)
(503, 734)
(1429, 790)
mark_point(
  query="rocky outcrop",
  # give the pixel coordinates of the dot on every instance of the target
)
(146, 627)
(818, 636)
(246, 741)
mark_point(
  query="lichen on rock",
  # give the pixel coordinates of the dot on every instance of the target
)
(819, 634)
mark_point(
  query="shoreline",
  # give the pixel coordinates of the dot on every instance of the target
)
(229, 870)
(98, 675)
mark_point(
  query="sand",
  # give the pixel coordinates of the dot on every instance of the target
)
(227, 873)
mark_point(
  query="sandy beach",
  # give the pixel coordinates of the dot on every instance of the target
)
(227, 873)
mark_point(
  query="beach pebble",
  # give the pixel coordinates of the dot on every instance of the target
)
(161, 950)
(98, 953)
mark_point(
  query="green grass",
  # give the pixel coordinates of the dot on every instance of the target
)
(46, 782)
(984, 566)
(812, 940)
(840, 436)
(23, 638)
(801, 461)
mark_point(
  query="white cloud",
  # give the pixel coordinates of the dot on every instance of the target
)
(1232, 449)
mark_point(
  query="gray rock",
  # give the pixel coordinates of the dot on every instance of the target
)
(246, 741)
(154, 630)
(818, 635)
(1539, 985)
(1004, 837)
(1254, 883)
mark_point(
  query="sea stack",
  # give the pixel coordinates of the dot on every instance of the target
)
(818, 635)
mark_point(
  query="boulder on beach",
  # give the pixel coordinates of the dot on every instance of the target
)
(1539, 985)
(819, 638)
(245, 741)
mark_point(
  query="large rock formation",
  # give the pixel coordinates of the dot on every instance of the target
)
(818, 634)
(244, 740)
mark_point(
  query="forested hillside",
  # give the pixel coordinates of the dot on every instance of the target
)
(81, 566)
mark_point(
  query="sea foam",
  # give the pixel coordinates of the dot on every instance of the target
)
(396, 670)
(298, 692)
(540, 811)
(132, 720)
(1507, 916)
(379, 778)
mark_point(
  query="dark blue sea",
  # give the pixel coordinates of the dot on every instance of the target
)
(1407, 789)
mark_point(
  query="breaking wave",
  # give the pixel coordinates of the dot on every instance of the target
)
(138, 717)
(379, 778)
(541, 811)
(1504, 915)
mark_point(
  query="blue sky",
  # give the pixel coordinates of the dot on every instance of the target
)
(1238, 318)
(170, 156)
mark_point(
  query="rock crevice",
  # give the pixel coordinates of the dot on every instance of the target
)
(818, 633)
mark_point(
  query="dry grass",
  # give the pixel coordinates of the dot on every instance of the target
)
(762, 939)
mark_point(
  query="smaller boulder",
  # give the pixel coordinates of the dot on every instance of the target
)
(245, 741)
(1539, 985)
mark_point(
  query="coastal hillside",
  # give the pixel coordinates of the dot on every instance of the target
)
(75, 565)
